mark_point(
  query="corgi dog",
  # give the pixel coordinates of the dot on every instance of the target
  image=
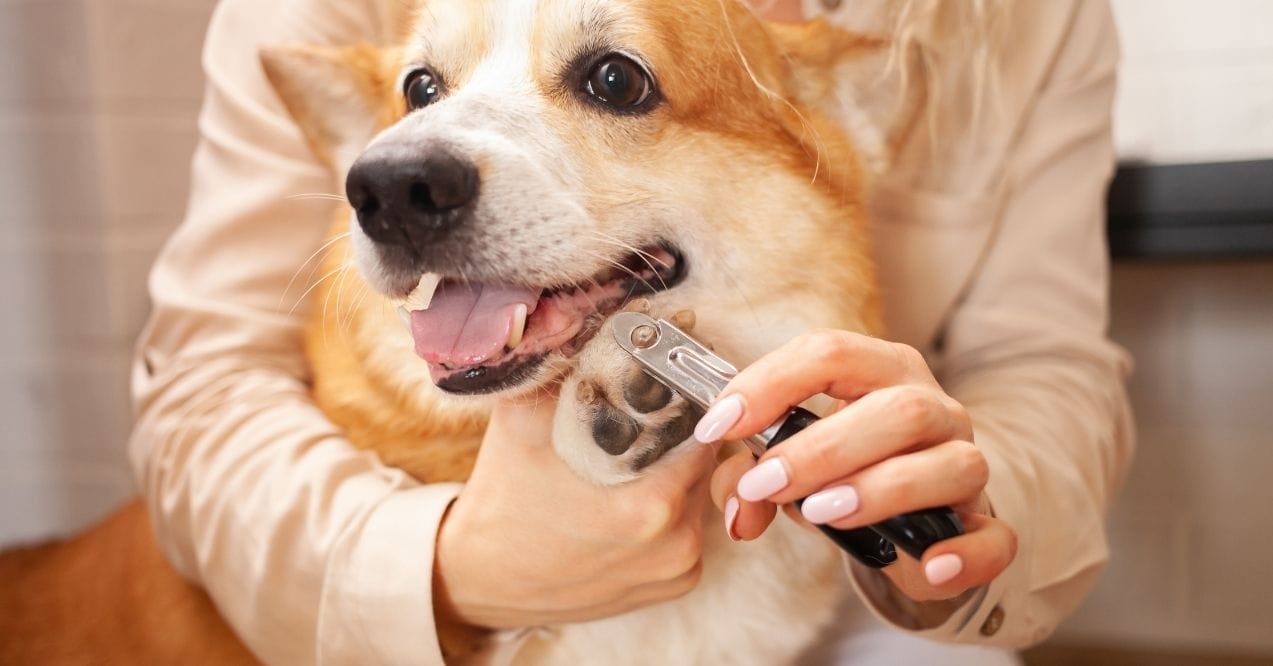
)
(518, 172)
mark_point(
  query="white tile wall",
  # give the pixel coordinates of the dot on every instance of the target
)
(147, 53)
(56, 285)
(97, 107)
(137, 155)
(1197, 80)
(34, 74)
(98, 100)
(49, 172)
(62, 462)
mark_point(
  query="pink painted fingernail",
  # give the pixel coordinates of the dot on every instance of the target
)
(830, 504)
(943, 568)
(719, 419)
(731, 516)
(763, 480)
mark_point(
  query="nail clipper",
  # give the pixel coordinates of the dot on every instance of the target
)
(687, 367)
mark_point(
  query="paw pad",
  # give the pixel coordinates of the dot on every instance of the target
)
(613, 430)
(646, 394)
(623, 419)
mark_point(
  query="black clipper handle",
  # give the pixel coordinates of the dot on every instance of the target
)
(874, 546)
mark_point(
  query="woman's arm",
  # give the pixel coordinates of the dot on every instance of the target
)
(1024, 354)
(254, 493)
(313, 551)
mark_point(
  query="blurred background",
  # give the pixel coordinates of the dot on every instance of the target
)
(98, 107)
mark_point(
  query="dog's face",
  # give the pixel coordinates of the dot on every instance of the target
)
(536, 165)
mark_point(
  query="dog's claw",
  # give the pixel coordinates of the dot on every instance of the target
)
(587, 393)
(685, 320)
(641, 305)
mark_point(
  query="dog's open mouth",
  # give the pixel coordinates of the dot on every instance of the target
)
(480, 338)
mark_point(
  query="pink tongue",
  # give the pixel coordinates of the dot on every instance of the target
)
(468, 324)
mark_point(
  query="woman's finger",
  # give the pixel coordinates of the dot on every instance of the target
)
(725, 478)
(883, 424)
(744, 520)
(680, 470)
(954, 566)
(949, 474)
(838, 363)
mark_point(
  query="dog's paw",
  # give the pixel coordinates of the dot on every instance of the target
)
(613, 420)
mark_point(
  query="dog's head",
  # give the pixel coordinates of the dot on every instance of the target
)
(526, 168)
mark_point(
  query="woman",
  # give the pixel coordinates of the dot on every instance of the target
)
(988, 219)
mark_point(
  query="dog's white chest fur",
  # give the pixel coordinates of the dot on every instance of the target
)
(762, 602)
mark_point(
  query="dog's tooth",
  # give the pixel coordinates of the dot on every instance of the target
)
(519, 326)
(422, 296)
(405, 315)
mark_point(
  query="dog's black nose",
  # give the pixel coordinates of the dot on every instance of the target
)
(410, 197)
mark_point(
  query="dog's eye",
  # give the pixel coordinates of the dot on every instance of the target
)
(421, 89)
(619, 83)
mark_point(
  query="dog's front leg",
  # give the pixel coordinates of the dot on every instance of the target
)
(613, 420)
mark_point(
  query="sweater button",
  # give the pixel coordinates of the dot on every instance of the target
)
(993, 622)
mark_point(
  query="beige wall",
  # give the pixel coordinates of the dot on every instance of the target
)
(97, 112)
(97, 107)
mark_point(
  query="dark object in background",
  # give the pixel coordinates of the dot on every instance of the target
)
(1218, 210)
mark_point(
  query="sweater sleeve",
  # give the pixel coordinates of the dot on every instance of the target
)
(312, 550)
(1026, 352)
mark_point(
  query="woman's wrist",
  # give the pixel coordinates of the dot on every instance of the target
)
(457, 635)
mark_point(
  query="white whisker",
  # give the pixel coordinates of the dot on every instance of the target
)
(313, 287)
(819, 146)
(320, 196)
(325, 246)
(644, 256)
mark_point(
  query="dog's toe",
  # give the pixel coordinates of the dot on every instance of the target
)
(645, 394)
(619, 420)
(667, 437)
(612, 429)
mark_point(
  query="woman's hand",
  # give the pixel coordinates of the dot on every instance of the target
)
(530, 543)
(901, 444)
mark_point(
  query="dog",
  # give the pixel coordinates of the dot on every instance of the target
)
(517, 173)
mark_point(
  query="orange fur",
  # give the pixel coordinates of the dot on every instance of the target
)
(431, 442)
(108, 597)
(381, 411)
(308, 95)
(750, 107)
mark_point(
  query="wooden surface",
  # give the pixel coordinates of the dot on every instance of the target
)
(1059, 655)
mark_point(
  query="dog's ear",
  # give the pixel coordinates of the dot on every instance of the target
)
(841, 73)
(818, 45)
(820, 56)
(340, 97)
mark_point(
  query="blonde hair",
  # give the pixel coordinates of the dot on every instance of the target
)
(951, 49)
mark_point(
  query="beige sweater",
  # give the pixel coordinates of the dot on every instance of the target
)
(993, 263)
